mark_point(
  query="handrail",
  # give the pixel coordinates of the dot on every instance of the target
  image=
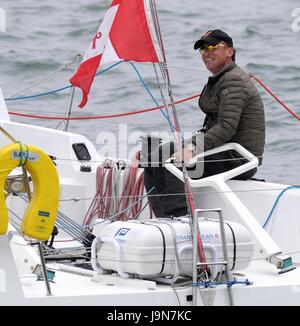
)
(253, 163)
(119, 258)
(218, 182)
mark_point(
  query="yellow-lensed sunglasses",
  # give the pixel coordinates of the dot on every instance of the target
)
(210, 48)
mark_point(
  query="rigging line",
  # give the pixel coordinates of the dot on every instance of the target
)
(16, 224)
(37, 95)
(120, 114)
(191, 208)
(150, 94)
(72, 225)
(163, 98)
(276, 202)
(66, 221)
(295, 115)
(121, 212)
(7, 46)
(183, 193)
(67, 224)
(66, 87)
(198, 161)
(59, 89)
(95, 117)
(141, 211)
(207, 284)
(219, 160)
(65, 65)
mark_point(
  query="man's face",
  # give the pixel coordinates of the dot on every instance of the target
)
(217, 57)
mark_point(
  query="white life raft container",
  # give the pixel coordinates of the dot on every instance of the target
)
(162, 247)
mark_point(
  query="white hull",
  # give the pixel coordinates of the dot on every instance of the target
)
(18, 286)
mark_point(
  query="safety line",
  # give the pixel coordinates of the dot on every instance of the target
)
(200, 193)
(295, 115)
(101, 116)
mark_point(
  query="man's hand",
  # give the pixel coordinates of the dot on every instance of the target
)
(183, 155)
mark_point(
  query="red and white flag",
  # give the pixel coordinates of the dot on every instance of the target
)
(127, 32)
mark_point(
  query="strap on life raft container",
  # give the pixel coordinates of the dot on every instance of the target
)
(40, 215)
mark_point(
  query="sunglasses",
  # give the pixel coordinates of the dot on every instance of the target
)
(210, 48)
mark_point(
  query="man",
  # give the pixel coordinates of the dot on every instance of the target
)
(234, 113)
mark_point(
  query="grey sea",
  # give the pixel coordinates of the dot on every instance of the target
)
(40, 37)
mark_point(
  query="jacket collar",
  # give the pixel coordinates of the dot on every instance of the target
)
(228, 67)
(213, 79)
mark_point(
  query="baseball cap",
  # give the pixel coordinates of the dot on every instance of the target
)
(213, 37)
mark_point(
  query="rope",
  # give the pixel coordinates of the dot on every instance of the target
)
(72, 228)
(10, 47)
(276, 202)
(166, 77)
(295, 115)
(101, 116)
(8, 135)
(150, 94)
(66, 119)
(200, 161)
(140, 77)
(183, 193)
(59, 89)
(37, 95)
(132, 190)
(103, 202)
(65, 65)
(23, 158)
(229, 284)
(158, 107)
(111, 218)
(110, 181)
(163, 97)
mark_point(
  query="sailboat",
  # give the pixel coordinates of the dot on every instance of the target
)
(78, 235)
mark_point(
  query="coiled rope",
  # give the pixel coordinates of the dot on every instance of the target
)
(119, 192)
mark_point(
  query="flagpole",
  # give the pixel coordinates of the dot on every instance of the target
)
(188, 193)
(71, 96)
